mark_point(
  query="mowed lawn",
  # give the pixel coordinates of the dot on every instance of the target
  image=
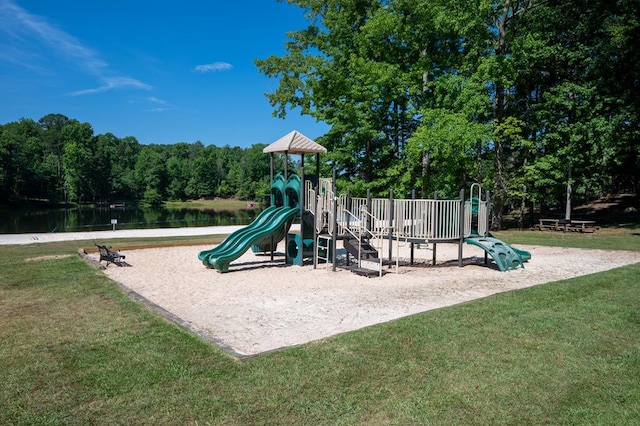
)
(75, 349)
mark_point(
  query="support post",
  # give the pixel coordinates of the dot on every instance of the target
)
(335, 218)
(391, 219)
(435, 197)
(302, 199)
(272, 199)
(315, 225)
(461, 224)
(286, 165)
(486, 225)
(348, 219)
(413, 230)
(488, 215)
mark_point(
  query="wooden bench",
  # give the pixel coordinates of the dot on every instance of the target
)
(581, 226)
(109, 255)
(548, 225)
(566, 225)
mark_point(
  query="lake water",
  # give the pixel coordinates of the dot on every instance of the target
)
(79, 219)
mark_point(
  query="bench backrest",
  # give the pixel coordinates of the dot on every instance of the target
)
(103, 249)
(105, 253)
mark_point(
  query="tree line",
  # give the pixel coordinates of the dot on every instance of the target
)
(59, 159)
(534, 99)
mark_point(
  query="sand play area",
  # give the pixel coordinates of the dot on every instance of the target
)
(262, 305)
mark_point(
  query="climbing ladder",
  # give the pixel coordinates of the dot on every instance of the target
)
(359, 232)
(320, 202)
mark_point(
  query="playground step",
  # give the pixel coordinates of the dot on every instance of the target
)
(365, 272)
(366, 250)
(369, 267)
(369, 252)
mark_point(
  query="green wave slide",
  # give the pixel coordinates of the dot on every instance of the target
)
(506, 256)
(235, 236)
(220, 257)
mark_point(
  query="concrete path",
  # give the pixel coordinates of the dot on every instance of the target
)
(35, 238)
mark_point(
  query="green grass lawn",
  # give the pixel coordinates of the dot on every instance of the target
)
(76, 350)
(217, 204)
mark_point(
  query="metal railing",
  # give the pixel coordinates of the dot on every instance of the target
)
(427, 219)
(437, 220)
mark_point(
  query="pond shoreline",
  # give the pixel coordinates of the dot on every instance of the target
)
(85, 219)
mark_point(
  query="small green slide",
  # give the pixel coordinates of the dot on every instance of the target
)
(221, 256)
(232, 238)
(505, 256)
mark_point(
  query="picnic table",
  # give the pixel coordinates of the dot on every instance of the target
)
(580, 225)
(549, 224)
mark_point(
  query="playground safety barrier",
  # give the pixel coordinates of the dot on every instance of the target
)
(417, 219)
(408, 220)
(437, 220)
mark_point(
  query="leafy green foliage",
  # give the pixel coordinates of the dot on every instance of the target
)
(60, 159)
(526, 98)
(151, 197)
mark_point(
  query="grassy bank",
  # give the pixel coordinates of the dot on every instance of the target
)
(217, 204)
(76, 350)
(604, 239)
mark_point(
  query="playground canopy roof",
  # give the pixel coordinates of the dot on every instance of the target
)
(295, 143)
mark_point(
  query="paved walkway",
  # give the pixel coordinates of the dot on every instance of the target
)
(6, 239)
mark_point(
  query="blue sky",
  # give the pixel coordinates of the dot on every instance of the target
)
(161, 71)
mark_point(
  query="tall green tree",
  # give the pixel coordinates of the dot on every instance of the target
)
(349, 68)
(78, 168)
(123, 165)
(373, 70)
(53, 144)
(179, 168)
(579, 118)
(207, 173)
(20, 152)
(524, 97)
(151, 173)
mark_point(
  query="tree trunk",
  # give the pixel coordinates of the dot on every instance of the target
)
(425, 173)
(567, 211)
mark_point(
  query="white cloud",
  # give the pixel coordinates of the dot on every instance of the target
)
(216, 66)
(33, 37)
(25, 29)
(157, 100)
(117, 82)
(163, 105)
(112, 83)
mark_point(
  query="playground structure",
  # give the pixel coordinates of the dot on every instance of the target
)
(362, 224)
